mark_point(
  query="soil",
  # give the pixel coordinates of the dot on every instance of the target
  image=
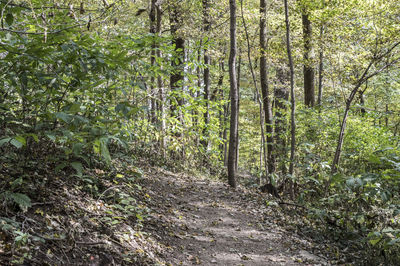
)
(177, 219)
(208, 223)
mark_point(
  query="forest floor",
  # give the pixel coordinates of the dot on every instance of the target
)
(208, 223)
(155, 217)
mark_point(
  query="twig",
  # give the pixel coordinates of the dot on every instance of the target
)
(292, 204)
(42, 203)
(48, 7)
(92, 243)
(110, 188)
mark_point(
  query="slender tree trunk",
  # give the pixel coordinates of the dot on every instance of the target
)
(387, 115)
(349, 100)
(292, 95)
(199, 85)
(153, 31)
(364, 78)
(179, 49)
(281, 96)
(265, 87)
(160, 85)
(239, 68)
(362, 101)
(338, 151)
(263, 153)
(225, 134)
(234, 98)
(309, 86)
(222, 113)
(321, 66)
(207, 61)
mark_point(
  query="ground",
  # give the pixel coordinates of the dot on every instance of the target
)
(205, 222)
(152, 216)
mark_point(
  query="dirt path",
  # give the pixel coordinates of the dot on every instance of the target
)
(207, 223)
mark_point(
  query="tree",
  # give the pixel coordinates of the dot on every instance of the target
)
(292, 95)
(178, 43)
(153, 31)
(379, 57)
(281, 97)
(207, 61)
(265, 86)
(263, 153)
(308, 69)
(321, 64)
(233, 139)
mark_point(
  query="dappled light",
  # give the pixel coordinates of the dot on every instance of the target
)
(201, 132)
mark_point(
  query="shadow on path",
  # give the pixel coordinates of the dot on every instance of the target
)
(208, 223)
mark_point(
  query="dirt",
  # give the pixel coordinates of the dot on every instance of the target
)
(186, 221)
(208, 223)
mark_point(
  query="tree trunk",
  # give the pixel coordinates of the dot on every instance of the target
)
(207, 61)
(387, 115)
(196, 93)
(176, 78)
(265, 87)
(321, 66)
(338, 151)
(238, 107)
(309, 86)
(281, 96)
(153, 31)
(292, 96)
(263, 153)
(232, 159)
(362, 102)
(363, 79)
(161, 92)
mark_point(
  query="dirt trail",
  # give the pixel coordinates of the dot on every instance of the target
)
(208, 223)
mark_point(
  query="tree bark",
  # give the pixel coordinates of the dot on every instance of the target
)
(292, 95)
(309, 86)
(153, 31)
(281, 97)
(239, 68)
(207, 61)
(161, 93)
(321, 67)
(176, 78)
(265, 87)
(263, 152)
(234, 98)
(362, 101)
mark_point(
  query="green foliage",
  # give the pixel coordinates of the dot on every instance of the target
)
(22, 200)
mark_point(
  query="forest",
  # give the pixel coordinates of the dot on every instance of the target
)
(184, 132)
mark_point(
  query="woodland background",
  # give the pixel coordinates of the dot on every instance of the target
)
(307, 101)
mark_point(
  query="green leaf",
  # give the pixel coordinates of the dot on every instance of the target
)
(9, 19)
(60, 166)
(139, 217)
(104, 150)
(77, 148)
(78, 168)
(17, 182)
(34, 136)
(374, 241)
(4, 141)
(16, 143)
(21, 139)
(23, 201)
(64, 117)
(51, 136)
(75, 108)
